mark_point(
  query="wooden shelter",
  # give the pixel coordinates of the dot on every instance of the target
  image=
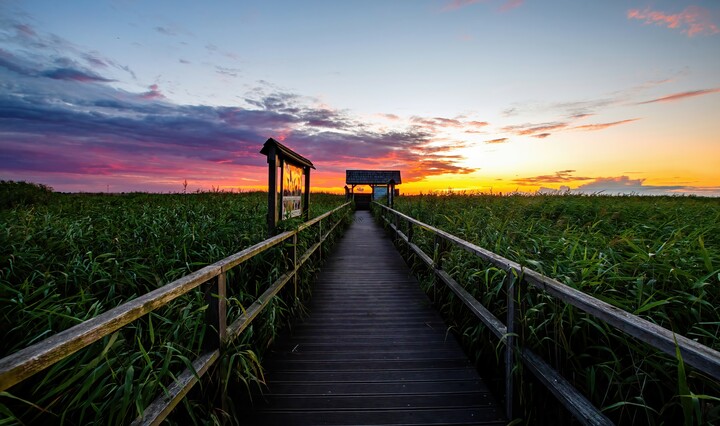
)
(382, 183)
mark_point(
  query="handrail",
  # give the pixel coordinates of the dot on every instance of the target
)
(695, 354)
(26, 362)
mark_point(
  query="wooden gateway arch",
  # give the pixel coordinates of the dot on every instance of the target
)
(382, 183)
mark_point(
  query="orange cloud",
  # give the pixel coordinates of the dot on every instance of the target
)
(692, 21)
(601, 126)
(682, 95)
(499, 140)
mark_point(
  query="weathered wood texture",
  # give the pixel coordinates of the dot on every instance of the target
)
(372, 351)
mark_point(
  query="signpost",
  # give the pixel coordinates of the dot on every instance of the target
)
(289, 193)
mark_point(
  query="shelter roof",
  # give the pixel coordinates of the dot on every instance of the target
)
(285, 151)
(372, 177)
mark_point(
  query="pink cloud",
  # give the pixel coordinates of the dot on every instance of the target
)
(682, 95)
(153, 93)
(692, 21)
(511, 4)
(457, 4)
(542, 135)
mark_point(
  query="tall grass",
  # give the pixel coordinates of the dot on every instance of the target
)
(74, 256)
(656, 257)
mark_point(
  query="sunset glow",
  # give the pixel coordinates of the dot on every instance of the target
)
(462, 95)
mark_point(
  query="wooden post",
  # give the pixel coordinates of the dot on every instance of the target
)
(511, 289)
(440, 247)
(293, 256)
(215, 331)
(320, 236)
(272, 215)
(306, 195)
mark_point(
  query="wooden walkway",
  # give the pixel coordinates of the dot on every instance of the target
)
(372, 351)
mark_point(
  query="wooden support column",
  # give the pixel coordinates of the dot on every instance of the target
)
(306, 195)
(272, 215)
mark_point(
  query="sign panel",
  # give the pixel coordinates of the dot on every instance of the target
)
(379, 192)
(292, 187)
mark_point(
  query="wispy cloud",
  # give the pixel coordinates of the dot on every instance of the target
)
(562, 176)
(458, 4)
(530, 129)
(693, 20)
(602, 126)
(682, 95)
(497, 141)
(511, 4)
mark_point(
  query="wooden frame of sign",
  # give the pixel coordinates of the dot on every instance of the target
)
(291, 188)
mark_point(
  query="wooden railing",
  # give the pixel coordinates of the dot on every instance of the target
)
(26, 362)
(693, 353)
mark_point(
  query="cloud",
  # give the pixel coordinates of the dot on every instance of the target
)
(682, 95)
(617, 185)
(602, 126)
(625, 185)
(535, 129)
(511, 4)
(153, 93)
(62, 127)
(497, 141)
(458, 4)
(561, 176)
(74, 75)
(693, 20)
(227, 71)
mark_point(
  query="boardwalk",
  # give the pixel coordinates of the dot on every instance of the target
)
(373, 351)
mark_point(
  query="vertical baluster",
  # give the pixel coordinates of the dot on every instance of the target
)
(320, 240)
(293, 256)
(215, 332)
(510, 345)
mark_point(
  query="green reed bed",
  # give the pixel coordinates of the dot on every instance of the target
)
(65, 258)
(656, 257)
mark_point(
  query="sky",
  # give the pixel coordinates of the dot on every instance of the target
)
(491, 96)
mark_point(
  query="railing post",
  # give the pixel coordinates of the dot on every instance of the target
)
(397, 229)
(293, 256)
(511, 289)
(216, 330)
(320, 239)
(439, 252)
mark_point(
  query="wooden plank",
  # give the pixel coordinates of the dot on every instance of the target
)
(372, 349)
(398, 402)
(454, 416)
